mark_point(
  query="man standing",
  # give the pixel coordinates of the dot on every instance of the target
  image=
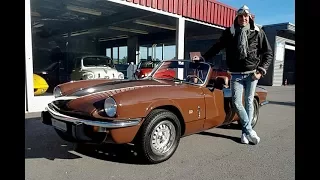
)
(248, 56)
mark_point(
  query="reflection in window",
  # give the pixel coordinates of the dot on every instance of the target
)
(108, 52)
(143, 53)
(150, 53)
(158, 53)
(169, 52)
(123, 54)
(97, 62)
(115, 56)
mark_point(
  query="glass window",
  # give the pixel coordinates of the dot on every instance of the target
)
(108, 52)
(63, 32)
(169, 52)
(143, 53)
(150, 53)
(97, 61)
(158, 55)
(123, 54)
(115, 56)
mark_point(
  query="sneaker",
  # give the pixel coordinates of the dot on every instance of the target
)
(244, 139)
(253, 137)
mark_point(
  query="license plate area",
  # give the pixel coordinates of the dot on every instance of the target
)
(59, 125)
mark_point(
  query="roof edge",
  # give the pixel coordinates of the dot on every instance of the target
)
(288, 23)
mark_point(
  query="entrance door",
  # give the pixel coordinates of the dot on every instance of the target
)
(289, 66)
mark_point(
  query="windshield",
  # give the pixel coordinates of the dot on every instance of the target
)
(184, 71)
(148, 64)
(97, 61)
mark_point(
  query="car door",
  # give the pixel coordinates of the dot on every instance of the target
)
(215, 113)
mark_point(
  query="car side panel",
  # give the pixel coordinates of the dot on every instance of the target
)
(124, 135)
(194, 127)
(215, 114)
(140, 102)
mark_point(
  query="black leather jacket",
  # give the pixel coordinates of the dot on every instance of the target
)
(260, 54)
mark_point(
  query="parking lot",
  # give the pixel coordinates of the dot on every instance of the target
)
(214, 154)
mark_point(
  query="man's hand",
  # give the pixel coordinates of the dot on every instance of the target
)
(256, 76)
(195, 58)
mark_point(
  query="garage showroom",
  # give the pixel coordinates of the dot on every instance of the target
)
(64, 36)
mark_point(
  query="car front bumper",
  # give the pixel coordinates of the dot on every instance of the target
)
(83, 129)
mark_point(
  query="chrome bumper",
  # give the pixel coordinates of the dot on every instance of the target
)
(119, 123)
(264, 103)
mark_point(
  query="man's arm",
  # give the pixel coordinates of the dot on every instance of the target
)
(217, 47)
(266, 53)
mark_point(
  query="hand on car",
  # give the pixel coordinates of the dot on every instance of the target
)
(195, 57)
(256, 76)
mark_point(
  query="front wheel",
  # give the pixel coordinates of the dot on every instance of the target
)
(159, 136)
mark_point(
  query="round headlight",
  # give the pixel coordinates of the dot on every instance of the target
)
(57, 92)
(88, 75)
(110, 107)
(121, 76)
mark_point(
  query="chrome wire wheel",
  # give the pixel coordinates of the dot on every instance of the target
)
(255, 117)
(163, 137)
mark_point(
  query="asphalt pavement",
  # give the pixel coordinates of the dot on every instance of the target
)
(215, 154)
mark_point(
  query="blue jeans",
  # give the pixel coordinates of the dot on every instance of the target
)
(240, 82)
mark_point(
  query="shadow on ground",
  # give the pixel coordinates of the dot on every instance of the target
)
(233, 125)
(283, 103)
(112, 152)
(235, 139)
(41, 141)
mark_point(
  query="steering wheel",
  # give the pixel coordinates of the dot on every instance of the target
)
(194, 76)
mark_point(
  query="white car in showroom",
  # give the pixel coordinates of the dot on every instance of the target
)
(95, 67)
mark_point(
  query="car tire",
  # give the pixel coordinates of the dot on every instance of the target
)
(150, 142)
(255, 114)
(65, 136)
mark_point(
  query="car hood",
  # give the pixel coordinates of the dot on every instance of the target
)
(120, 86)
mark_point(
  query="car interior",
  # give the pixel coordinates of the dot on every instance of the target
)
(218, 82)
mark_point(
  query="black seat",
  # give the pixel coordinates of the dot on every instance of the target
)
(210, 85)
(218, 82)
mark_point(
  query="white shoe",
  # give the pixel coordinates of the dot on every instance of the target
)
(244, 139)
(253, 137)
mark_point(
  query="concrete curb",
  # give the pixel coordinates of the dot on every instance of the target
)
(32, 115)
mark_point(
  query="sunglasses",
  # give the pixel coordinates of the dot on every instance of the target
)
(243, 12)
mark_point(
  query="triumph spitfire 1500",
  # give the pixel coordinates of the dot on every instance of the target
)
(152, 113)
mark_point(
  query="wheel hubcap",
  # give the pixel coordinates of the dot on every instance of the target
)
(255, 116)
(162, 137)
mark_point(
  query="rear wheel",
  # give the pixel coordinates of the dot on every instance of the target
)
(159, 136)
(255, 113)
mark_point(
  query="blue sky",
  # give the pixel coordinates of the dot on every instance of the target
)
(267, 11)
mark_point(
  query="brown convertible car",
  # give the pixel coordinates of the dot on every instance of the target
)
(152, 113)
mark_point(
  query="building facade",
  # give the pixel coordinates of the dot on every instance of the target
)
(282, 40)
(57, 33)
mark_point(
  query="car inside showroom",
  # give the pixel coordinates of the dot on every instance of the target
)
(74, 40)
